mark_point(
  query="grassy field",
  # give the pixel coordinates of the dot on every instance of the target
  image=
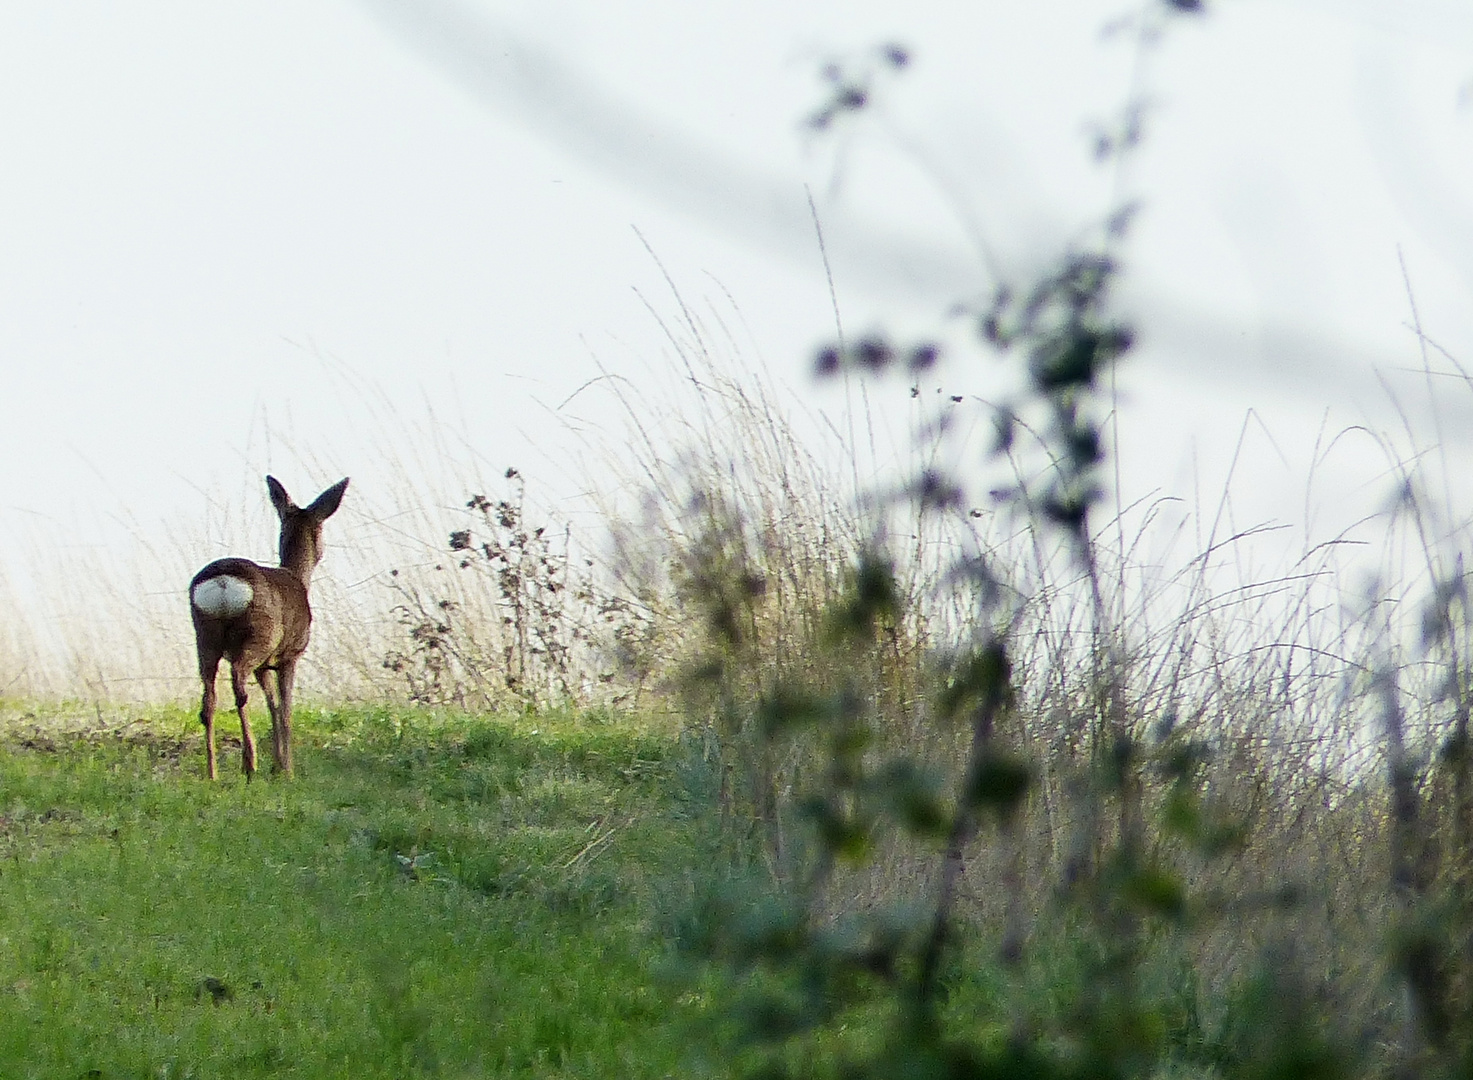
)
(433, 895)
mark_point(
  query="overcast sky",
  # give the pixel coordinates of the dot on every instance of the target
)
(225, 229)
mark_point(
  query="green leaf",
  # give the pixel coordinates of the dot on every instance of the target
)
(871, 598)
(788, 705)
(982, 679)
(914, 797)
(838, 831)
(999, 783)
(1157, 891)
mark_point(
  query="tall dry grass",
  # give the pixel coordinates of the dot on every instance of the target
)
(1280, 655)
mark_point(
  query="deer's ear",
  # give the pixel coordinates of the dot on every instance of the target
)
(325, 504)
(279, 498)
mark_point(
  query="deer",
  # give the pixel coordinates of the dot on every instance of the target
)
(259, 619)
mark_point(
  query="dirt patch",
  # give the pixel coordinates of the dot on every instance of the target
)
(165, 748)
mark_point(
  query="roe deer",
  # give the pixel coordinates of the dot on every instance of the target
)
(258, 618)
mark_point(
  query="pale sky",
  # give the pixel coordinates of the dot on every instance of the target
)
(226, 229)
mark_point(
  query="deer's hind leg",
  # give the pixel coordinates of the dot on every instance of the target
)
(238, 671)
(286, 676)
(208, 667)
(270, 680)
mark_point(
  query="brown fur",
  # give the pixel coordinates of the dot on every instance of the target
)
(269, 637)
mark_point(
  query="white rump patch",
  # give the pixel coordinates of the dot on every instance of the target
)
(223, 597)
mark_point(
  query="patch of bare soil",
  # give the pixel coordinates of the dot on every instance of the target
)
(28, 733)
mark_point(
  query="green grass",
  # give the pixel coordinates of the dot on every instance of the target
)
(155, 925)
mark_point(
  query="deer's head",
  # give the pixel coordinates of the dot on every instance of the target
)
(301, 526)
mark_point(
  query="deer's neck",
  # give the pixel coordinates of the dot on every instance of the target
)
(302, 572)
(299, 560)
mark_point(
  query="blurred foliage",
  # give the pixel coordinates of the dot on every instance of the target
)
(845, 980)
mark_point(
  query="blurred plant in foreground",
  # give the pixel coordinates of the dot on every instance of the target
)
(1089, 978)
